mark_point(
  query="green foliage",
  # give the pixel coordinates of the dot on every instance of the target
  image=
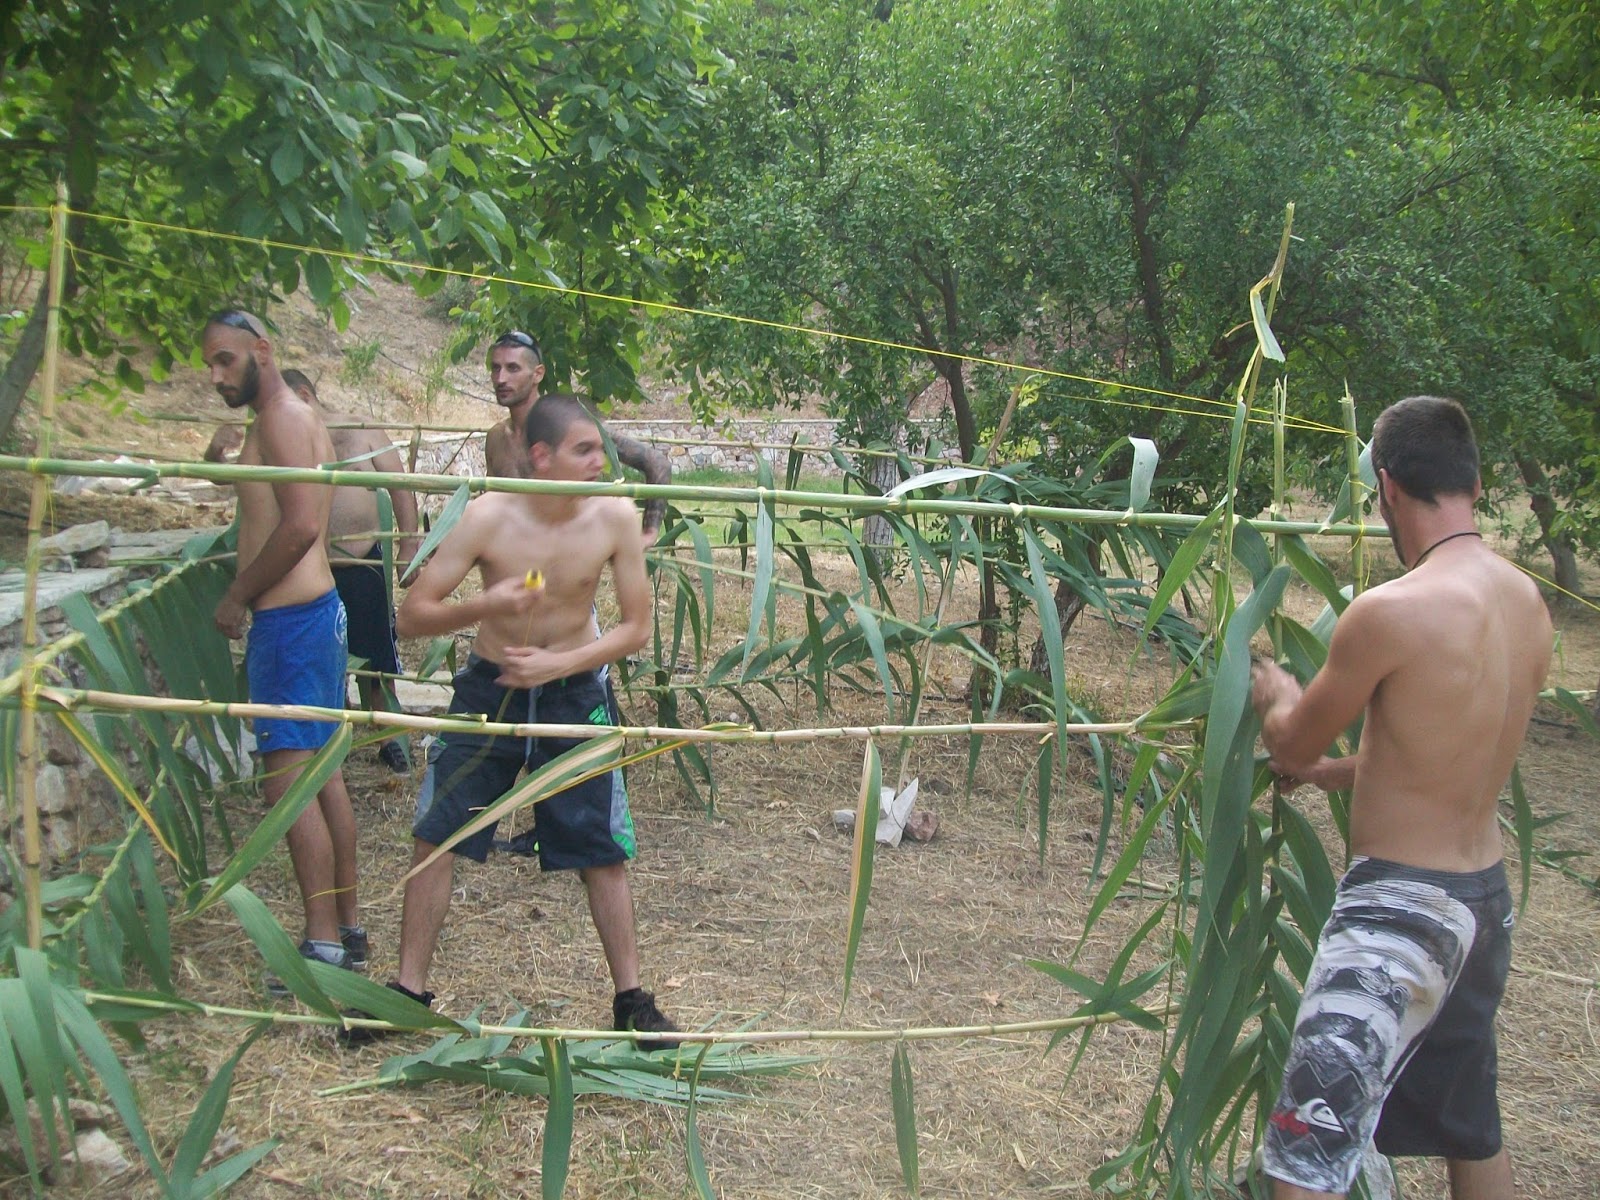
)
(1083, 186)
(543, 143)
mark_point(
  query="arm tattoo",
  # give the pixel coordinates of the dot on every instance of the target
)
(656, 468)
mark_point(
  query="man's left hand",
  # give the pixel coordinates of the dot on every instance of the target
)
(530, 666)
(230, 617)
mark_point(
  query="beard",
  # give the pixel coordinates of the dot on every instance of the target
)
(249, 387)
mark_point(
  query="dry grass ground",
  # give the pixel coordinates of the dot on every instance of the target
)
(742, 915)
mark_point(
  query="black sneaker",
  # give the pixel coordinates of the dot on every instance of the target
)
(636, 1009)
(392, 754)
(361, 1035)
(354, 941)
(279, 990)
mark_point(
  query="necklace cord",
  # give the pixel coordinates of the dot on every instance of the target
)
(1449, 537)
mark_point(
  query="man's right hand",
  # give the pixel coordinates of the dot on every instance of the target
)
(513, 597)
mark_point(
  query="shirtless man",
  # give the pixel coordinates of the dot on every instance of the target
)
(535, 658)
(516, 367)
(1394, 1042)
(357, 558)
(296, 649)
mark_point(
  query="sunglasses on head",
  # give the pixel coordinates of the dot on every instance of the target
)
(234, 319)
(517, 338)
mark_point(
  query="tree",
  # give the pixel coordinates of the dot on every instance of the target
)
(1509, 94)
(526, 142)
(868, 176)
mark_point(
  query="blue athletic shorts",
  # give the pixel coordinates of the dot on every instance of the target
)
(587, 825)
(296, 655)
(1395, 1034)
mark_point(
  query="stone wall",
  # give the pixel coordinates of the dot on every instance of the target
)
(76, 802)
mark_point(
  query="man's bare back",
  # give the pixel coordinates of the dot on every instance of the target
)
(1445, 661)
(1468, 640)
(354, 520)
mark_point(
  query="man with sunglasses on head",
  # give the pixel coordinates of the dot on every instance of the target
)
(296, 650)
(516, 368)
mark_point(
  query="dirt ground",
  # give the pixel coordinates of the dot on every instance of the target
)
(742, 916)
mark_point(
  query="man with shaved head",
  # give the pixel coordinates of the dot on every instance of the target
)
(283, 592)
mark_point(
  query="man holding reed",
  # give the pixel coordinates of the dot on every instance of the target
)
(296, 648)
(536, 659)
(1394, 1043)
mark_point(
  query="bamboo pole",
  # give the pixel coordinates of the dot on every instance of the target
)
(783, 497)
(1352, 457)
(736, 1037)
(74, 699)
(38, 501)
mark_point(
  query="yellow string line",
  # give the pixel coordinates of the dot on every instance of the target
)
(159, 272)
(1307, 423)
(665, 306)
(1534, 575)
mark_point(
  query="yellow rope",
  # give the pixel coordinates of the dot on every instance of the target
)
(1534, 575)
(684, 310)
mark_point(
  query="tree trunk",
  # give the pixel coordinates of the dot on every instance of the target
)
(24, 362)
(1563, 556)
(876, 533)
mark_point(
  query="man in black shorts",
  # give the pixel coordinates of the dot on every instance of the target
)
(535, 658)
(357, 558)
(1394, 1043)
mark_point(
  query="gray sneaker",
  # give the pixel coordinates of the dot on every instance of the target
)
(278, 990)
(354, 941)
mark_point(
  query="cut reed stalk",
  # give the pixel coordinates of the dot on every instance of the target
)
(1352, 457)
(85, 698)
(38, 501)
(848, 502)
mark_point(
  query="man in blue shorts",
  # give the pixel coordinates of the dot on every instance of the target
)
(1394, 1043)
(535, 659)
(296, 649)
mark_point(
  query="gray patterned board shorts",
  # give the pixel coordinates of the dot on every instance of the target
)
(1394, 1042)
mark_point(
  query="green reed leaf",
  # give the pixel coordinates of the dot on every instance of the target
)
(267, 836)
(693, 1155)
(861, 860)
(905, 1118)
(555, 1155)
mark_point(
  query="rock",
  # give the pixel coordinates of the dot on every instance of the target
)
(922, 825)
(59, 839)
(59, 746)
(99, 1158)
(86, 1114)
(50, 790)
(77, 539)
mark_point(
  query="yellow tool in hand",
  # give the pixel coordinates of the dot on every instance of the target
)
(533, 579)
